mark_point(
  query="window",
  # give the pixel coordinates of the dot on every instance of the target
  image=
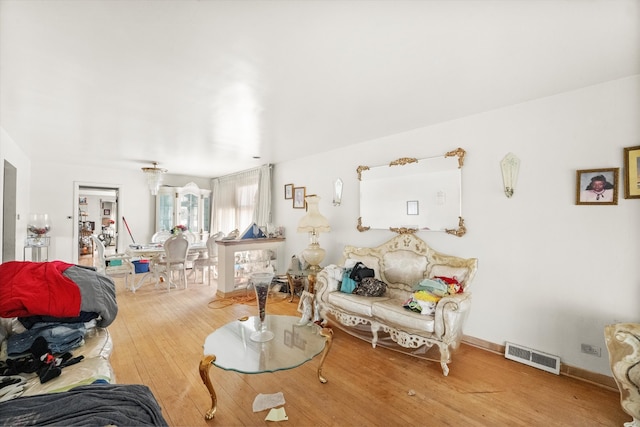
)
(238, 202)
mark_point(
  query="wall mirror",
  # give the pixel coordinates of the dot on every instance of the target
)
(409, 195)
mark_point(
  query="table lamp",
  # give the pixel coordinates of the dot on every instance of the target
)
(313, 223)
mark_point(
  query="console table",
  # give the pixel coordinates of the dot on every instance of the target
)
(230, 348)
(36, 247)
(238, 258)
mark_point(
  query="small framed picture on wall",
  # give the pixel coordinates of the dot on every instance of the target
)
(412, 207)
(299, 194)
(597, 186)
(288, 191)
(106, 212)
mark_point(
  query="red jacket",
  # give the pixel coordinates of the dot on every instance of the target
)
(37, 288)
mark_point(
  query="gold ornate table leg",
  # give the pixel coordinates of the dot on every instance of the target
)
(292, 286)
(328, 334)
(205, 363)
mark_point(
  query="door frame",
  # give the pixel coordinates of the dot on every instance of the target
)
(9, 211)
(76, 195)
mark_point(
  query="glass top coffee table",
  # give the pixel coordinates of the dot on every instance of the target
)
(230, 348)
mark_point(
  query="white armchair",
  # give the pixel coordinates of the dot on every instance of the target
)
(623, 344)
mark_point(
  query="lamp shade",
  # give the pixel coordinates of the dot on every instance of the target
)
(313, 221)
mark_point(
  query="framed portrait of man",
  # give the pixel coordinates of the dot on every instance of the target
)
(597, 186)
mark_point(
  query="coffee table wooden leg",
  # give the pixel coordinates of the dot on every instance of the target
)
(328, 334)
(205, 364)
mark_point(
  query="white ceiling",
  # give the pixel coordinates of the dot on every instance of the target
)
(203, 86)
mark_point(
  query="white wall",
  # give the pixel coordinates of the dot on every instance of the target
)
(551, 273)
(53, 193)
(12, 153)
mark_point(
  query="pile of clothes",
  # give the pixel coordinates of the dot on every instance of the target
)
(428, 292)
(47, 308)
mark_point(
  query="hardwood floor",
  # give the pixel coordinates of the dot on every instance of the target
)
(158, 337)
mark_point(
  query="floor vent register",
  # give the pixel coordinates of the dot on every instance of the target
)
(537, 359)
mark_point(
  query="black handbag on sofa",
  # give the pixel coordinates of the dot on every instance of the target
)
(360, 271)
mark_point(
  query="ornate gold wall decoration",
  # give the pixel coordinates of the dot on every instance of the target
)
(460, 231)
(360, 170)
(403, 161)
(360, 227)
(403, 230)
(457, 152)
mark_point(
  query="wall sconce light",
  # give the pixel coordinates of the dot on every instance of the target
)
(337, 192)
(154, 177)
(510, 166)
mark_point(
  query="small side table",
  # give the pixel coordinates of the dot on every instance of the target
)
(305, 279)
(296, 279)
(36, 248)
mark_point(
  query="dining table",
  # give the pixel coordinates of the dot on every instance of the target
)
(148, 251)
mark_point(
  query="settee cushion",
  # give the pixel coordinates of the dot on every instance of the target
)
(404, 267)
(392, 312)
(355, 304)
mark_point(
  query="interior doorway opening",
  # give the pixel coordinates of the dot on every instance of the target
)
(97, 216)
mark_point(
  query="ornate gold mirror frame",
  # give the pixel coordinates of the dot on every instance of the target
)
(387, 189)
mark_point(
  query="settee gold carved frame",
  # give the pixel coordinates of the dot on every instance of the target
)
(459, 232)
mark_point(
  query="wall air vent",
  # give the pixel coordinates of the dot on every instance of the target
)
(537, 359)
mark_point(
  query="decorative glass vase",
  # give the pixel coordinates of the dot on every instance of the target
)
(261, 283)
(38, 226)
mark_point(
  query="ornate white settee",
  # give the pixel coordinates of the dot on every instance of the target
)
(401, 263)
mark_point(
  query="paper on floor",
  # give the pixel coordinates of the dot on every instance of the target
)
(277, 414)
(266, 401)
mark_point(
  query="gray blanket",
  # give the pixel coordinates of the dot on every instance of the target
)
(98, 293)
(90, 405)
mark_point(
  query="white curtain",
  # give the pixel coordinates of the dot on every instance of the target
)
(262, 210)
(240, 199)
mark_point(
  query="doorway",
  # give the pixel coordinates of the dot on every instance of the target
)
(97, 212)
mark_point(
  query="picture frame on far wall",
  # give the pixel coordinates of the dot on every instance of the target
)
(299, 194)
(597, 186)
(412, 207)
(632, 172)
(288, 191)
